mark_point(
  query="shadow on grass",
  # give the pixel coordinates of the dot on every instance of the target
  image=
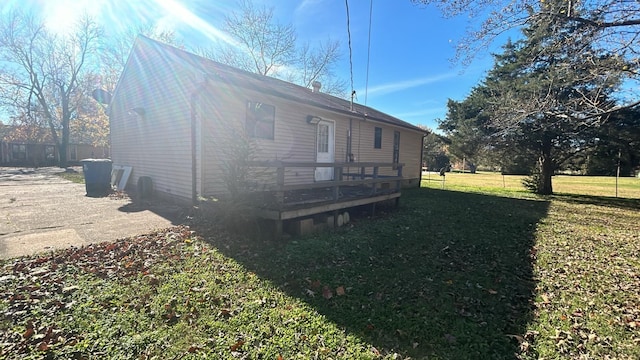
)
(607, 201)
(448, 275)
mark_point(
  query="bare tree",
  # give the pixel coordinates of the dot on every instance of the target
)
(114, 51)
(604, 33)
(262, 45)
(616, 22)
(316, 64)
(42, 72)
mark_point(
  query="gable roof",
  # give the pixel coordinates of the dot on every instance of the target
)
(272, 86)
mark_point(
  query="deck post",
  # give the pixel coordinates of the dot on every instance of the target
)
(280, 185)
(375, 176)
(362, 173)
(337, 176)
(277, 229)
(399, 181)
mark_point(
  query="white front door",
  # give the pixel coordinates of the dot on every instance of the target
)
(325, 143)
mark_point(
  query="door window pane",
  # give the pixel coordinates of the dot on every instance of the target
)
(323, 138)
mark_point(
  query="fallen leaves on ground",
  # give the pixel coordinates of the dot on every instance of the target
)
(36, 288)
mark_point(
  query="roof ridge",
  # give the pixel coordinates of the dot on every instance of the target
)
(330, 101)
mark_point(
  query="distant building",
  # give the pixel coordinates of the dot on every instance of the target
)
(18, 150)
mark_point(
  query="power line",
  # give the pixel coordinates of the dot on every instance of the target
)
(366, 86)
(346, 2)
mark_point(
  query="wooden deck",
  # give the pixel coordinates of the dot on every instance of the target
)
(346, 190)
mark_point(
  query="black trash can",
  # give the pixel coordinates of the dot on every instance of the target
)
(97, 176)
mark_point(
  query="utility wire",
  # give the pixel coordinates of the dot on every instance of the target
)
(366, 86)
(346, 2)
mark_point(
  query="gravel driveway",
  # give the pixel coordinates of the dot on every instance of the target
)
(40, 211)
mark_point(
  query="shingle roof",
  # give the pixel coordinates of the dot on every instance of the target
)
(274, 86)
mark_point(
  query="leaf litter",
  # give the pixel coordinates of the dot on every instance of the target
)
(37, 288)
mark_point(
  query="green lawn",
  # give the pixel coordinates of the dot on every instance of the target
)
(490, 273)
(76, 177)
(628, 187)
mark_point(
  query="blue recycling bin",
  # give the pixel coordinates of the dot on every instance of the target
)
(97, 176)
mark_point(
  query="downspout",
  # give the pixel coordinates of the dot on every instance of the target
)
(194, 183)
(194, 122)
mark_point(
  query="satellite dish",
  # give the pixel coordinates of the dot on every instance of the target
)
(102, 96)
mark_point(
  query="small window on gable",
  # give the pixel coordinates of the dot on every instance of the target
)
(261, 119)
(377, 139)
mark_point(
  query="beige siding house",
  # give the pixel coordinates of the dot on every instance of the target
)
(175, 118)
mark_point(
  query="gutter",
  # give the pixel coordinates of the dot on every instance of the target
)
(306, 101)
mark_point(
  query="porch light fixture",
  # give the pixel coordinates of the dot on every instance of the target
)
(137, 110)
(313, 119)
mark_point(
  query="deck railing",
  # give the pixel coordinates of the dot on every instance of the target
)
(367, 174)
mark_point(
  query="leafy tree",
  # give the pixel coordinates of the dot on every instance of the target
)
(27, 129)
(434, 151)
(611, 26)
(618, 143)
(264, 46)
(465, 128)
(91, 125)
(547, 104)
(43, 72)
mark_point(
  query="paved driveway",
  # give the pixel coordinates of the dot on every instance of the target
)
(39, 211)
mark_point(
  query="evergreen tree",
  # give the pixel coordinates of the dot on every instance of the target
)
(465, 127)
(618, 145)
(542, 102)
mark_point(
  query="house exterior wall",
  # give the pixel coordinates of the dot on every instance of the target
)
(222, 114)
(156, 144)
(409, 153)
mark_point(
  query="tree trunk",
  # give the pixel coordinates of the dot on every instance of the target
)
(62, 151)
(64, 143)
(545, 162)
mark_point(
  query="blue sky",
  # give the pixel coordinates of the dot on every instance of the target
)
(411, 75)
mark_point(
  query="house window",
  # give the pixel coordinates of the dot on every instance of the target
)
(19, 152)
(377, 139)
(261, 119)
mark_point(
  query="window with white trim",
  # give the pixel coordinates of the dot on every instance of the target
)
(377, 138)
(261, 119)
